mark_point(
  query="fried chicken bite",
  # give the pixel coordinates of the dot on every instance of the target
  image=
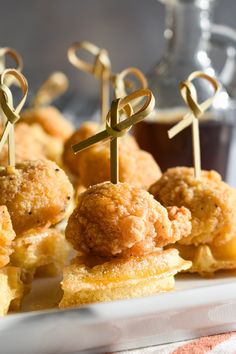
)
(211, 201)
(50, 119)
(87, 129)
(32, 143)
(121, 220)
(136, 166)
(71, 160)
(7, 236)
(36, 193)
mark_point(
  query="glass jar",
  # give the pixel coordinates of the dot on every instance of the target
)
(188, 36)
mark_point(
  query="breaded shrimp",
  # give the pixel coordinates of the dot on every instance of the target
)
(120, 219)
(87, 129)
(50, 119)
(32, 143)
(211, 201)
(7, 235)
(36, 193)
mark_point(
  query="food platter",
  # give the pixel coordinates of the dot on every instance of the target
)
(121, 233)
(197, 307)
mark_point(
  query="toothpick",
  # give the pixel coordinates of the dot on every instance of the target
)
(189, 95)
(114, 144)
(11, 113)
(11, 53)
(101, 70)
(120, 81)
(117, 129)
(55, 85)
(17, 59)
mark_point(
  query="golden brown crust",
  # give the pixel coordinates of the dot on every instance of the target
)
(43, 250)
(70, 160)
(7, 235)
(50, 119)
(32, 143)
(11, 289)
(121, 219)
(209, 258)
(77, 163)
(36, 193)
(211, 201)
(136, 166)
(121, 278)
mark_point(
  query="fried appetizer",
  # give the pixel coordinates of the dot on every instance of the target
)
(41, 251)
(136, 166)
(121, 278)
(87, 129)
(7, 235)
(209, 258)
(50, 119)
(118, 230)
(120, 219)
(211, 201)
(11, 289)
(32, 143)
(36, 193)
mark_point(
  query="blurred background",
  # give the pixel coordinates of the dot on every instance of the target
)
(131, 30)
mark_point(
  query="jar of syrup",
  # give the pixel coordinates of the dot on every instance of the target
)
(189, 36)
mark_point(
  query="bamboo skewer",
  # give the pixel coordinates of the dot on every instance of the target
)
(55, 85)
(11, 113)
(189, 95)
(101, 69)
(118, 128)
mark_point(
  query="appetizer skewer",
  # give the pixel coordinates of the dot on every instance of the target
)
(34, 195)
(119, 230)
(92, 166)
(211, 243)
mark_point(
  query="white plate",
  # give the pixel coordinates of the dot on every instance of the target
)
(197, 307)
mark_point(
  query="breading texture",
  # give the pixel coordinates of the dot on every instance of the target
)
(36, 193)
(50, 119)
(211, 201)
(70, 160)
(32, 143)
(7, 236)
(82, 160)
(136, 166)
(120, 219)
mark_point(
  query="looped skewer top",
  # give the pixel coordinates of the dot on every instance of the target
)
(101, 69)
(12, 114)
(117, 129)
(9, 52)
(17, 59)
(189, 95)
(55, 85)
(120, 81)
(101, 60)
